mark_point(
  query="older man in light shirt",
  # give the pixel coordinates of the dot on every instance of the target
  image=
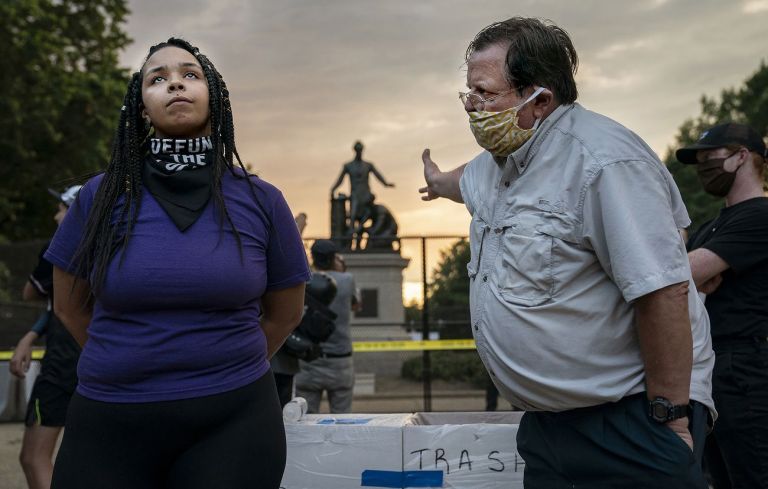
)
(582, 304)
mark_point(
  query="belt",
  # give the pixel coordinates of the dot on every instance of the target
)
(335, 355)
(576, 412)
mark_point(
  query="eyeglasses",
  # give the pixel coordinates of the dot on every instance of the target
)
(478, 101)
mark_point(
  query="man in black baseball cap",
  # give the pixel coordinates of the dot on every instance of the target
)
(728, 134)
(323, 253)
(714, 154)
(729, 262)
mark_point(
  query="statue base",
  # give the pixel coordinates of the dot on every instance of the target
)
(379, 278)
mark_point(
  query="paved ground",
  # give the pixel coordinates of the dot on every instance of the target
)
(11, 476)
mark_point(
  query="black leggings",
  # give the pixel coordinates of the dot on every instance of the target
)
(235, 439)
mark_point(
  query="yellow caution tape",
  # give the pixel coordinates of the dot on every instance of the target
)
(357, 346)
(36, 355)
(365, 346)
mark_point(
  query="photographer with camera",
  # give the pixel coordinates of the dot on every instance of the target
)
(332, 371)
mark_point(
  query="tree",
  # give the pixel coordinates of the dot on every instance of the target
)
(449, 289)
(449, 313)
(449, 292)
(61, 92)
(747, 105)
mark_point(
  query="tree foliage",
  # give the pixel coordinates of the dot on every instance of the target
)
(448, 295)
(449, 314)
(449, 292)
(747, 104)
(449, 365)
(61, 91)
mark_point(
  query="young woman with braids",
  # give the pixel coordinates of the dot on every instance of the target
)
(180, 275)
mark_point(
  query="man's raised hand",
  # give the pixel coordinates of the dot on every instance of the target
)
(431, 176)
(440, 184)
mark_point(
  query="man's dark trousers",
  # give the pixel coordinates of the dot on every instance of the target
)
(614, 445)
(740, 391)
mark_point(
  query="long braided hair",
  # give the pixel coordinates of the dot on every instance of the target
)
(122, 179)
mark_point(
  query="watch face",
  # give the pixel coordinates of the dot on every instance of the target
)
(659, 410)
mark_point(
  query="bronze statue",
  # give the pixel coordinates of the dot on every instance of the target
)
(382, 232)
(348, 226)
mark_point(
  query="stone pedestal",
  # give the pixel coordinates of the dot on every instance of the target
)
(379, 277)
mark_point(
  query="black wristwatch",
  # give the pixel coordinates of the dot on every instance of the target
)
(662, 410)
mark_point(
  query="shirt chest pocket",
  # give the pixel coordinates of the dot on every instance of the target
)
(530, 256)
(525, 275)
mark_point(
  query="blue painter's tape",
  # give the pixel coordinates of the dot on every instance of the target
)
(402, 480)
(353, 420)
(344, 421)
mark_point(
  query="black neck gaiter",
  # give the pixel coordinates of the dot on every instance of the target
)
(179, 174)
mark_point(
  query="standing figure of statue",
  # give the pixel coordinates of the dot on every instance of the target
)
(361, 206)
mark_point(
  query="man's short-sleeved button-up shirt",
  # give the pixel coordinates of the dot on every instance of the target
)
(565, 234)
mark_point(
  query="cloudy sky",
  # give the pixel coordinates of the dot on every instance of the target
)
(308, 78)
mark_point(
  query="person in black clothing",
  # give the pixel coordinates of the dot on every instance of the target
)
(333, 371)
(57, 380)
(729, 262)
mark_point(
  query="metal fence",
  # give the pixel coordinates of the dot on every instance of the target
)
(427, 362)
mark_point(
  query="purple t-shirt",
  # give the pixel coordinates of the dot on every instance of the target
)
(179, 318)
